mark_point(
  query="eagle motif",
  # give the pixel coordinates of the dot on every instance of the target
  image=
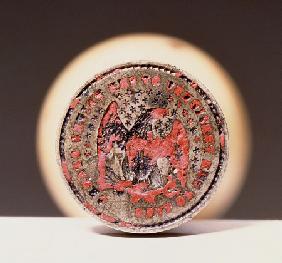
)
(150, 155)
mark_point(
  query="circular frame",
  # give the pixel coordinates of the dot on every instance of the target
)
(207, 96)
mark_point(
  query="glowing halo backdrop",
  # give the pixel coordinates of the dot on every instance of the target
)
(144, 47)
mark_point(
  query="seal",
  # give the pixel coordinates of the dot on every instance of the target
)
(142, 147)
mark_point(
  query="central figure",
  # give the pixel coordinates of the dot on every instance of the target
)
(154, 150)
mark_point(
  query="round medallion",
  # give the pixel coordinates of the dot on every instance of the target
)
(142, 147)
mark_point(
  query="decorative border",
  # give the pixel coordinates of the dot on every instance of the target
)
(223, 152)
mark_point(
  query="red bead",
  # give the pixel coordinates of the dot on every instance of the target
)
(206, 164)
(145, 80)
(77, 165)
(150, 212)
(74, 103)
(195, 104)
(124, 224)
(178, 90)
(75, 154)
(204, 119)
(76, 138)
(81, 174)
(186, 97)
(180, 200)
(167, 207)
(123, 83)
(132, 81)
(156, 80)
(98, 95)
(189, 195)
(210, 149)
(87, 184)
(208, 138)
(222, 140)
(90, 207)
(90, 102)
(66, 171)
(197, 184)
(78, 128)
(139, 212)
(206, 128)
(108, 218)
(159, 211)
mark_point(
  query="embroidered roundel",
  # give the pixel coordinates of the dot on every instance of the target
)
(142, 147)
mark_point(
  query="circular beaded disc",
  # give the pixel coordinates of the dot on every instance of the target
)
(142, 147)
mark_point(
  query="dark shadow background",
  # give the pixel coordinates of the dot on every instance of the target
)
(37, 39)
